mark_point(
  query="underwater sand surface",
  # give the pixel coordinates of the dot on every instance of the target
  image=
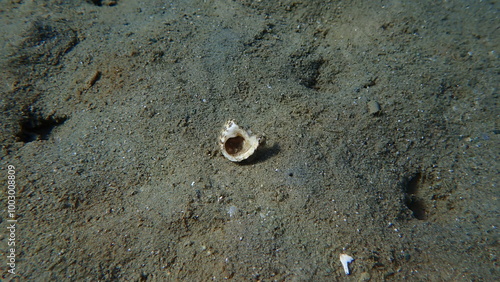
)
(380, 118)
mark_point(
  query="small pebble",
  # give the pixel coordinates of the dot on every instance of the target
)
(373, 107)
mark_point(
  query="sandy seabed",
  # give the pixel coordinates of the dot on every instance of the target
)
(382, 140)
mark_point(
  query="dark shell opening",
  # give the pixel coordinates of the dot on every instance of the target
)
(234, 145)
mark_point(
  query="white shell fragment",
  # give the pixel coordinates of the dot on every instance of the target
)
(345, 260)
(237, 144)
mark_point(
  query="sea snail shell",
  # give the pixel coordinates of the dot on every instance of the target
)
(236, 143)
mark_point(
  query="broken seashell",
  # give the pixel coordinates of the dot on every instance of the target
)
(237, 144)
(345, 260)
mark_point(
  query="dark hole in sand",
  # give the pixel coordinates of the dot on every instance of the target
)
(34, 127)
(414, 203)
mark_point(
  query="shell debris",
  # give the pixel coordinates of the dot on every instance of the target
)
(236, 143)
(345, 260)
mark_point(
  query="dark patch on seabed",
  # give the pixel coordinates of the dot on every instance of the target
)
(412, 201)
(35, 127)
